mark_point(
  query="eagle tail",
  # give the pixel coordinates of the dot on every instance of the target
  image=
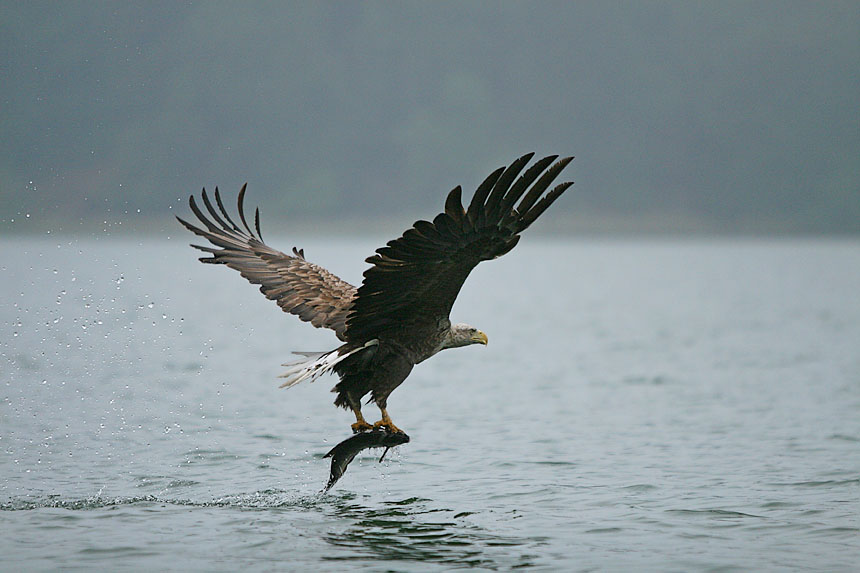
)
(315, 364)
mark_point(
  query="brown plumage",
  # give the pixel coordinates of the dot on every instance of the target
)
(398, 317)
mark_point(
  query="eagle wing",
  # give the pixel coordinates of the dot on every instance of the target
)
(298, 286)
(414, 280)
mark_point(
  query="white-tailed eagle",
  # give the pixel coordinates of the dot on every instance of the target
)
(398, 317)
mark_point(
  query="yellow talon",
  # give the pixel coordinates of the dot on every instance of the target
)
(361, 426)
(388, 426)
(386, 422)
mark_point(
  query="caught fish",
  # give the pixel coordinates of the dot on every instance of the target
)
(342, 454)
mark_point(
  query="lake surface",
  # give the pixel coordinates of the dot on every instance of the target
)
(642, 405)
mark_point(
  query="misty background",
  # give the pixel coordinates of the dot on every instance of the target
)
(717, 117)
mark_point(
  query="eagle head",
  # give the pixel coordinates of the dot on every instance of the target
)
(463, 335)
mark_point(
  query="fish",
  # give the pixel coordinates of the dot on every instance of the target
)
(342, 454)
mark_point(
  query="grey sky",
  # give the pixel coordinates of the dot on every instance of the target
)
(729, 116)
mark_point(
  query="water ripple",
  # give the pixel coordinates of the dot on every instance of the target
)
(821, 483)
(719, 513)
(411, 530)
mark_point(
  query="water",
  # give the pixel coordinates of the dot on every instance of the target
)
(690, 405)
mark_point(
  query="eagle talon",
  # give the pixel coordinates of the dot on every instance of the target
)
(361, 426)
(388, 426)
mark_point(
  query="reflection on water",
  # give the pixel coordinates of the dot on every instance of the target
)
(412, 530)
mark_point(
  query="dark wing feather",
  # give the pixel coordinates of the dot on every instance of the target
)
(298, 286)
(415, 279)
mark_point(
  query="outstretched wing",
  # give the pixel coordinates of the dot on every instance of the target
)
(298, 286)
(415, 279)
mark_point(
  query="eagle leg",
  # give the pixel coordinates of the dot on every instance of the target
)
(386, 422)
(360, 424)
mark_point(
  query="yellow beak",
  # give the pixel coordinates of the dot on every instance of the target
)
(480, 338)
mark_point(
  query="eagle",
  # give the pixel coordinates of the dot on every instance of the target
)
(399, 316)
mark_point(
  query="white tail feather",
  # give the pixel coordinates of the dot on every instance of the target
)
(315, 364)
